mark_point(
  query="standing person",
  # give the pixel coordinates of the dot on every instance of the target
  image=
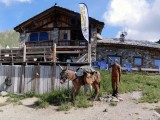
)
(116, 75)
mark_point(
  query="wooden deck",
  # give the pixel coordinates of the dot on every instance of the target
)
(38, 54)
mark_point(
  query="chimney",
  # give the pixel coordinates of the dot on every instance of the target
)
(122, 36)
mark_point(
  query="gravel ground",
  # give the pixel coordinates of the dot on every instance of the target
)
(128, 109)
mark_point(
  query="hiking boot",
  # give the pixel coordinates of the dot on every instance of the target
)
(117, 95)
(114, 95)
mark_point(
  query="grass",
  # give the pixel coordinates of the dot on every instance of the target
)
(61, 98)
(147, 83)
(41, 104)
(65, 107)
(56, 97)
(82, 101)
(15, 98)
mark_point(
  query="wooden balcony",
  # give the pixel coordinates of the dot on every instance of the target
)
(40, 54)
(72, 43)
(60, 43)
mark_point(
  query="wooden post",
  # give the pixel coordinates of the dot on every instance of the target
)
(53, 67)
(89, 53)
(22, 80)
(53, 75)
(54, 53)
(44, 55)
(24, 53)
(12, 56)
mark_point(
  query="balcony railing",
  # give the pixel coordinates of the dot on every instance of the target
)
(39, 43)
(72, 43)
(60, 43)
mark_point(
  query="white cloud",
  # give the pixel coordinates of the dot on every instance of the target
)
(9, 2)
(140, 18)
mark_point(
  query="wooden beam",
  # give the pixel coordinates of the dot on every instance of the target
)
(54, 53)
(89, 53)
(24, 53)
(70, 52)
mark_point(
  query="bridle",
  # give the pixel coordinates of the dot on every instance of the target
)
(64, 75)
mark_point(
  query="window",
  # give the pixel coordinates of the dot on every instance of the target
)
(42, 36)
(34, 37)
(112, 58)
(65, 37)
(157, 62)
(137, 61)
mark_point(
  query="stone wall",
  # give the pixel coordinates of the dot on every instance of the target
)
(126, 55)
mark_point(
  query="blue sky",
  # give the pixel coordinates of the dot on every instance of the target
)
(140, 18)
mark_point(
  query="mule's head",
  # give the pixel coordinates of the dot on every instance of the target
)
(63, 76)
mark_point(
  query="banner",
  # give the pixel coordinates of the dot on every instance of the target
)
(84, 21)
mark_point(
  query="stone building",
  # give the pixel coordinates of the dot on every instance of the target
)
(139, 53)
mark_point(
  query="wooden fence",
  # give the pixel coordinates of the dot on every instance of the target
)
(38, 78)
(27, 54)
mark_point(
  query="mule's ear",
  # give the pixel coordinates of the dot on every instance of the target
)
(61, 67)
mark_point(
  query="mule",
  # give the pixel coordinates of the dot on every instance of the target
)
(88, 78)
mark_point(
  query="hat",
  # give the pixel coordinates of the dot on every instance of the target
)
(116, 60)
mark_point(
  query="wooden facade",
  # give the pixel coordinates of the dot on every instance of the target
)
(61, 26)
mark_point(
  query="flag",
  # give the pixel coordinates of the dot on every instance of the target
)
(84, 21)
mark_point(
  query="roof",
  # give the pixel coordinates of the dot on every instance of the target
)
(138, 43)
(51, 9)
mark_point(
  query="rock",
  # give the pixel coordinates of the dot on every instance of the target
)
(139, 118)
(101, 98)
(109, 99)
(137, 113)
(119, 98)
(105, 110)
(4, 93)
(114, 100)
(66, 112)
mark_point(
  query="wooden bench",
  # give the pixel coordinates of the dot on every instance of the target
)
(150, 70)
(143, 69)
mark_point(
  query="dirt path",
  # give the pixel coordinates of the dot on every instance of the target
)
(128, 109)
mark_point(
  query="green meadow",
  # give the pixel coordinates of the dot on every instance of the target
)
(147, 83)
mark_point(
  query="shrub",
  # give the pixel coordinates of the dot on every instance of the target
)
(41, 104)
(65, 107)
